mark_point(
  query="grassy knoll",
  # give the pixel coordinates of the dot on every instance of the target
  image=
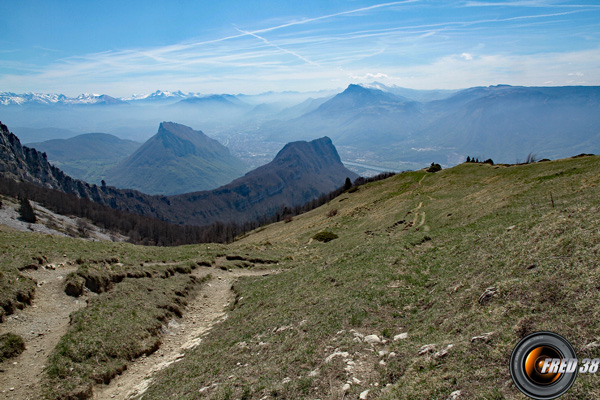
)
(467, 260)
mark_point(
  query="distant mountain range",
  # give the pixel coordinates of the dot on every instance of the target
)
(176, 160)
(498, 122)
(299, 173)
(379, 126)
(9, 98)
(88, 156)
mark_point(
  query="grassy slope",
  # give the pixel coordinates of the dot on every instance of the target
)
(414, 254)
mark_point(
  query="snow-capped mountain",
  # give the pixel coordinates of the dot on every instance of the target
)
(10, 98)
(160, 95)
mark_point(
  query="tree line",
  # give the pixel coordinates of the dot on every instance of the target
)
(145, 230)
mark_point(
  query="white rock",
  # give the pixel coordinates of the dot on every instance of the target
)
(454, 395)
(372, 339)
(383, 353)
(363, 395)
(482, 338)
(357, 334)
(401, 336)
(346, 387)
(381, 362)
(428, 348)
(286, 380)
(444, 352)
(313, 373)
(392, 355)
(356, 380)
(343, 354)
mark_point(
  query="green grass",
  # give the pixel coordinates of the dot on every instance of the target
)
(115, 328)
(392, 270)
(413, 255)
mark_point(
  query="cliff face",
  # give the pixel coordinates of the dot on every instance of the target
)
(302, 171)
(176, 160)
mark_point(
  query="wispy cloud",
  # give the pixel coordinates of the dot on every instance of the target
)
(381, 41)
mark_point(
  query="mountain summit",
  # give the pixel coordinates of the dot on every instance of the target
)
(176, 160)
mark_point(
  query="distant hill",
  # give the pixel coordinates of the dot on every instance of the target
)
(301, 172)
(31, 135)
(502, 122)
(87, 156)
(176, 160)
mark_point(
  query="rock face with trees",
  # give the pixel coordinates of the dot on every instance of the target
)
(303, 174)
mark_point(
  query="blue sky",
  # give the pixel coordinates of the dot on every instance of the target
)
(125, 47)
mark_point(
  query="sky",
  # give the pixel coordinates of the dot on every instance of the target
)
(130, 47)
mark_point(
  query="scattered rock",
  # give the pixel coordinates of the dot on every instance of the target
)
(357, 334)
(454, 395)
(487, 295)
(482, 338)
(428, 348)
(313, 373)
(401, 336)
(591, 346)
(286, 380)
(372, 339)
(356, 380)
(242, 345)
(444, 352)
(392, 355)
(346, 387)
(336, 353)
(364, 395)
(383, 353)
(510, 228)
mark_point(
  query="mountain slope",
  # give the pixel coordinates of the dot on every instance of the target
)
(176, 160)
(500, 122)
(356, 117)
(88, 156)
(394, 306)
(301, 172)
(431, 277)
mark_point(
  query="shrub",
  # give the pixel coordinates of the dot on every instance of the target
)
(434, 168)
(347, 184)
(11, 345)
(26, 211)
(325, 236)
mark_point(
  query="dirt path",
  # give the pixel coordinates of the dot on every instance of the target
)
(41, 325)
(208, 308)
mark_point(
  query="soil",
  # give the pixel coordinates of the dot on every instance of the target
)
(44, 322)
(205, 310)
(41, 325)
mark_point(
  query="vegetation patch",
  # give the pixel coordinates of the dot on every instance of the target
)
(11, 345)
(325, 236)
(115, 328)
(412, 313)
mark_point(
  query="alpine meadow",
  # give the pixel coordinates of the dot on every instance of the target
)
(319, 200)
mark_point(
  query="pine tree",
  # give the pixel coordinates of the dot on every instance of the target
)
(347, 184)
(26, 211)
(468, 159)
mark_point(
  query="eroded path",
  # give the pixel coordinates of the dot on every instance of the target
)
(41, 325)
(205, 310)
